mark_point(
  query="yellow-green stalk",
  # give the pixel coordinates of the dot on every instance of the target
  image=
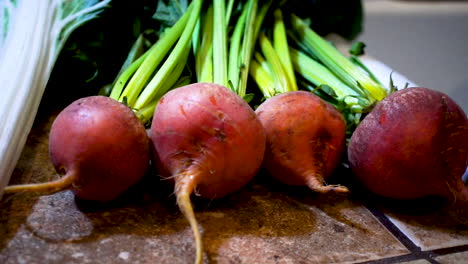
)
(150, 76)
(219, 43)
(204, 53)
(341, 66)
(272, 69)
(280, 44)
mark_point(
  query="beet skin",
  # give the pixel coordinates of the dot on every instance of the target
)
(305, 139)
(209, 131)
(209, 140)
(413, 144)
(102, 144)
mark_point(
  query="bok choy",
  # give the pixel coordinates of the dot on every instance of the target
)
(32, 33)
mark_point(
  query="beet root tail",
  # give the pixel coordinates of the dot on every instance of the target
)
(459, 207)
(52, 187)
(316, 184)
(184, 188)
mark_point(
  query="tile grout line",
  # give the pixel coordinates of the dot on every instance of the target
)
(383, 219)
(398, 259)
(449, 250)
(415, 251)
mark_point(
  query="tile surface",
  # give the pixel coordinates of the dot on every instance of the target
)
(433, 231)
(456, 258)
(253, 226)
(428, 223)
(419, 261)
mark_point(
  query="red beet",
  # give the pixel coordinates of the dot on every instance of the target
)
(100, 146)
(305, 139)
(209, 140)
(413, 144)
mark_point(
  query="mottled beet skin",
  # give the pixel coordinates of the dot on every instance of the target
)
(305, 138)
(208, 136)
(413, 144)
(104, 143)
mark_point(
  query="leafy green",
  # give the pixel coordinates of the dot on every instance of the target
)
(168, 13)
(33, 34)
(103, 49)
(357, 48)
(95, 52)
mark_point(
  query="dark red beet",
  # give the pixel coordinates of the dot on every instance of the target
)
(413, 144)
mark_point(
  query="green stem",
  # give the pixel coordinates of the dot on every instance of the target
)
(279, 75)
(248, 44)
(318, 74)
(234, 51)
(359, 63)
(229, 7)
(174, 58)
(126, 74)
(280, 45)
(204, 55)
(259, 18)
(219, 43)
(137, 50)
(197, 32)
(146, 113)
(263, 79)
(149, 65)
(352, 75)
(175, 73)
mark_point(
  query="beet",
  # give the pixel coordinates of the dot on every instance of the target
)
(209, 141)
(413, 144)
(100, 147)
(305, 139)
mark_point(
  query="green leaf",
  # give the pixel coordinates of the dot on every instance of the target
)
(357, 48)
(125, 101)
(248, 97)
(327, 89)
(169, 13)
(105, 90)
(73, 14)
